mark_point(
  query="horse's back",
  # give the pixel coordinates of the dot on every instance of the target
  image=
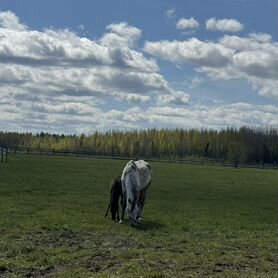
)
(141, 170)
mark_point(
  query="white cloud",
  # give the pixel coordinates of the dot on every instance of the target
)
(121, 34)
(62, 60)
(224, 25)
(192, 50)
(253, 58)
(53, 76)
(131, 97)
(171, 13)
(187, 23)
(196, 82)
(60, 82)
(191, 82)
(218, 116)
(177, 98)
(10, 21)
(261, 37)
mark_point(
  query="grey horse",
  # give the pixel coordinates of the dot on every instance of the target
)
(136, 179)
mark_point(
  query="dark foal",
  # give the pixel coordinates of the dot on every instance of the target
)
(116, 196)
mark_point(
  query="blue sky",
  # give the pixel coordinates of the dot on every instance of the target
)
(81, 66)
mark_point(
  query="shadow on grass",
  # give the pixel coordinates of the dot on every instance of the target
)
(148, 225)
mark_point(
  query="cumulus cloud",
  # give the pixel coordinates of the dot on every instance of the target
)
(253, 58)
(59, 81)
(192, 50)
(133, 98)
(177, 97)
(62, 60)
(121, 34)
(224, 25)
(45, 76)
(187, 23)
(10, 21)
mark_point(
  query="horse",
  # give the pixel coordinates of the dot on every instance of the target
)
(135, 179)
(116, 197)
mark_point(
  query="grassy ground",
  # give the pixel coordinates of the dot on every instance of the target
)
(199, 221)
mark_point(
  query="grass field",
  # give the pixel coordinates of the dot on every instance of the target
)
(199, 221)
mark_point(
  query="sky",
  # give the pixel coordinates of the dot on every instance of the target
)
(75, 67)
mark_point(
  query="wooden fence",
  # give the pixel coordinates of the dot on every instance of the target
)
(187, 160)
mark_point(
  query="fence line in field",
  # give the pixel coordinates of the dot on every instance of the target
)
(193, 161)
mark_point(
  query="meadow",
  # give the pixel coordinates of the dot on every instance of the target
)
(199, 221)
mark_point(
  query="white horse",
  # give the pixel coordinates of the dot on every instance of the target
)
(136, 179)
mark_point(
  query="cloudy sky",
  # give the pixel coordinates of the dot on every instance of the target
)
(80, 66)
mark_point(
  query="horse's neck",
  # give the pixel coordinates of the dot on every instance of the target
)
(143, 177)
(130, 185)
(127, 168)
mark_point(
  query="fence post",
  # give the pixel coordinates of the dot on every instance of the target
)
(4, 154)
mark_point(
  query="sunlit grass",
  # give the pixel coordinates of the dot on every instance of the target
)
(199, 221)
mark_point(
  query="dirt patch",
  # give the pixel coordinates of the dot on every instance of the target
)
(27, 273)
(97, 251)
(100, 262)
(53, 238)
(220, 267)
(3, 269)
(33, 272)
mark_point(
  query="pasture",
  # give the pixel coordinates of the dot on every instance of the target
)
(199, 221)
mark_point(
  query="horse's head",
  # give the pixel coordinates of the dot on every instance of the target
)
(132, 209)
(132, 205)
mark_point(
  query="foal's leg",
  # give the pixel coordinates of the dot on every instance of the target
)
(108, 208)
(117, 214)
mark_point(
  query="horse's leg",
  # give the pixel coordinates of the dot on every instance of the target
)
(141, 202)
(123, 204)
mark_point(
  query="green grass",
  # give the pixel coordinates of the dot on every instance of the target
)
(199, 221)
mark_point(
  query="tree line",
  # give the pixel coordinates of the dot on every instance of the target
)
(245, 145)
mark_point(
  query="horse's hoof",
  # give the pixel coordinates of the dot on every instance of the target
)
(121, 221)
(140, 219)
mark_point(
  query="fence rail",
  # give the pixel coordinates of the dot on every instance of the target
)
(186, 160)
